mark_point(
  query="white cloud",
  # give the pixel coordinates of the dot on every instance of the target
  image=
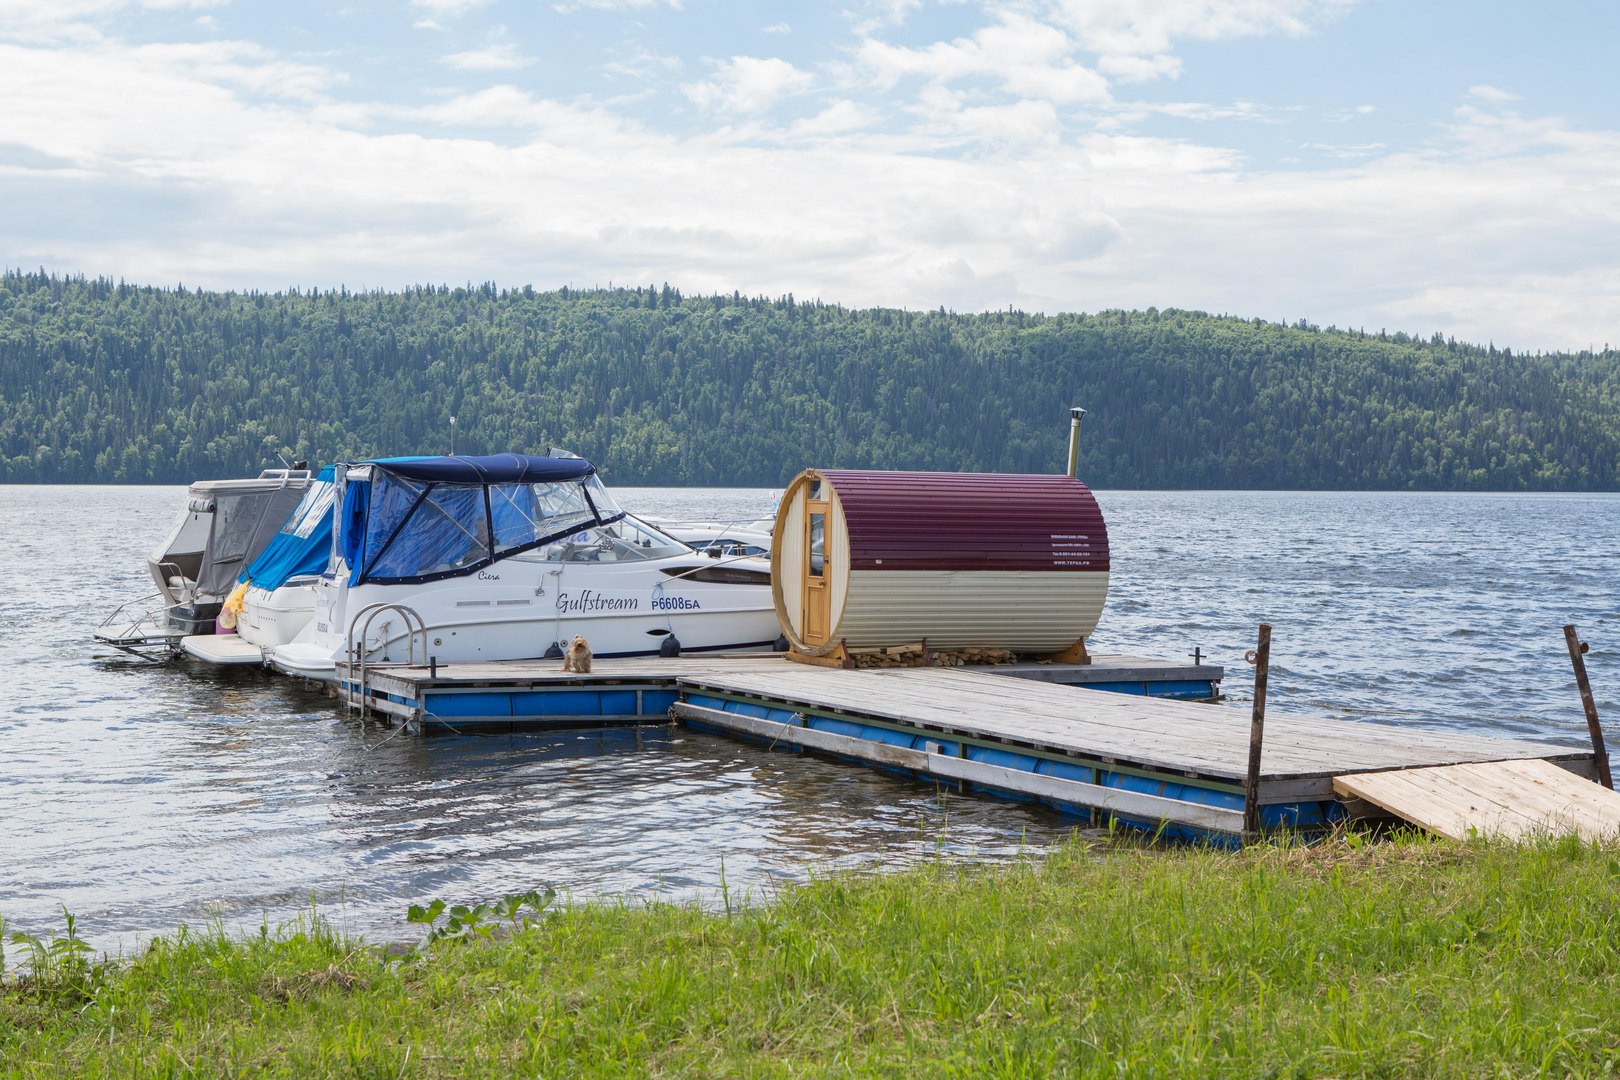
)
(1121, 115)
(839, 118)
(880, 14)
(1133, 40)
(449, 9)
(643, 63)
(230, 166)
(748, 85)
(1026, 57)
(501, 56)
(1491, 94)
(569, 6)
(1137, 28)
(777, 28)
(1347, 152)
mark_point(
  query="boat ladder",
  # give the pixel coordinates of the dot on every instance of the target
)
(139, 630)
(359, 667)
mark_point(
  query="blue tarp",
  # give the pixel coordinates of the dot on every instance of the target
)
(304, 544)
(422, 519)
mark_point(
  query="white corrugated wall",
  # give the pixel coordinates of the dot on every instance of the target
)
(958, 609)
(837, 551)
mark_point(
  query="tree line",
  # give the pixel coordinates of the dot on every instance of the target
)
(106, 382)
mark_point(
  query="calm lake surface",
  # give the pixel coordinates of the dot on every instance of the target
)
(142, 796)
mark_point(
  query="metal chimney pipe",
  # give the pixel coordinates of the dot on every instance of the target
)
(1076, 414)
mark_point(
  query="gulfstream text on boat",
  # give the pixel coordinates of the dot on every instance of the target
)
(591, 600)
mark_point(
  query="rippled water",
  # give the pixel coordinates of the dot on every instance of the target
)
(144, 796)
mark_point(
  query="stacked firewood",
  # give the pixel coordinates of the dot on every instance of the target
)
(918, 656)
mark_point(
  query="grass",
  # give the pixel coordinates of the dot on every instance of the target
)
(1408, 957)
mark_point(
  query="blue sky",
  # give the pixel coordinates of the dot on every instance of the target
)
(1423, 166)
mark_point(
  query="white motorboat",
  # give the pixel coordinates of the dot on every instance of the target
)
(223, 525)
(507, 557)
(721, 538)
(275, 595)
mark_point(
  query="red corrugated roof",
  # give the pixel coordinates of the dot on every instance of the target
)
(970, 521)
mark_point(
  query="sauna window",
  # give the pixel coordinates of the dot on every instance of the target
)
(818, 543)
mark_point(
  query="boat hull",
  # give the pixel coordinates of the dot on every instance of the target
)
(525, 608)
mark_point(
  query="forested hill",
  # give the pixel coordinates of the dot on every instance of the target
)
(104, 382)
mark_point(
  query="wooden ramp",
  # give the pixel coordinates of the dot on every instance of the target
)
(1513, 799)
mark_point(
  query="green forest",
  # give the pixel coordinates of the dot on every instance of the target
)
(105, 382)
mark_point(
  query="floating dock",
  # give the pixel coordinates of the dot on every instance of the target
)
(1110, 740)
(515, 694)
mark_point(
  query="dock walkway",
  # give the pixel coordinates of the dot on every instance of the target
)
(1146, 761)
(513, 694)
(1301, 755)
(1170, 766)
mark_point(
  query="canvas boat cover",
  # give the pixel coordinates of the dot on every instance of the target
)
(423, 519)
(304, 543)
(243, 524)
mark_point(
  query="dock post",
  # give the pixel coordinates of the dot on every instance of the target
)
(1600, 755)
(1260, 657)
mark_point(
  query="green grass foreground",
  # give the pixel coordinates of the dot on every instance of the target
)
(1348, 958)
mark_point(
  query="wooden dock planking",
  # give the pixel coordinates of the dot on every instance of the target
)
(1166, 736)
(1514, 799)
(404, 691)
(1109, 667)
(1189, 756)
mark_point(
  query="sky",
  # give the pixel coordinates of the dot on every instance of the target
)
(1446, 166)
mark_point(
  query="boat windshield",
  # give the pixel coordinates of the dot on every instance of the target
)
(394, 529)
(628, 540)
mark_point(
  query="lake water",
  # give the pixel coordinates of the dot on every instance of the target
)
(144, 796)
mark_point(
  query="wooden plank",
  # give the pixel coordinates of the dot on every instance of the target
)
(1149, 732)
(1516, 799)
(1073, 792)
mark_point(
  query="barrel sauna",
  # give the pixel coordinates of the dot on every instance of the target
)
(870, 560)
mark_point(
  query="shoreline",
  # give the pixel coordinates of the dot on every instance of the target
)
(1403, 956)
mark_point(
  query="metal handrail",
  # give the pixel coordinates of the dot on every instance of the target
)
(355, 648)
(137, 620)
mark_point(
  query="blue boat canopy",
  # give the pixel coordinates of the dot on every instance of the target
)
(488, 469)
(423, 519)
(304, 543)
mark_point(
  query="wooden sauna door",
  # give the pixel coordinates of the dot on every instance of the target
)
(817, 574)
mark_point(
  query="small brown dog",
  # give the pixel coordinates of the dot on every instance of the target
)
(578, 657)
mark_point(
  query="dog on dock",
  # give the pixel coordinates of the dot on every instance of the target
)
(578, 657)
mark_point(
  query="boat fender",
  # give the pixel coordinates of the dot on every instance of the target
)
(553, 653)
(780, 644)
(670, 646)
(232, 608)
